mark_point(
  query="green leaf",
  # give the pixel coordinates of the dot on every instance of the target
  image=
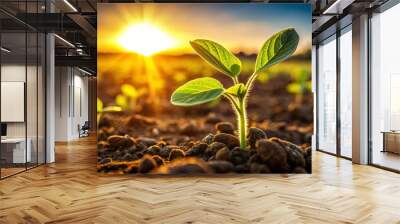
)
(197, 91)
(219, 57)
(277, 48)
(236, 90)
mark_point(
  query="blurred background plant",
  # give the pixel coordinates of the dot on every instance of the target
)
(127, 99)
(139, 92)
(101, 109)
(300, 86)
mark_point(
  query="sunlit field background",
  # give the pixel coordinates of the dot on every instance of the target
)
(144, 55)
(156, 77)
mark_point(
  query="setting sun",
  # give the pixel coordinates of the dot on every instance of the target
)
(145, 39)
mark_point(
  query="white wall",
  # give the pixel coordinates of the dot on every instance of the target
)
(80, 109)
(61, 114)
(71, 102)
(15, 73)
(33, 127)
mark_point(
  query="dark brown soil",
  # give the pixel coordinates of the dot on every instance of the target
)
(217, 152)
(203, 139)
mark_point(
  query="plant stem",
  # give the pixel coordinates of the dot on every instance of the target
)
(242, 112)
(233, 101)
(235, 80)
(242, 119)
(250, 81)
(239, 106)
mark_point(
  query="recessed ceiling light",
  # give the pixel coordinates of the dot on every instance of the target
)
(65, 41)
(337, 7)
(5, 50)
(70, 5)
(84, 71)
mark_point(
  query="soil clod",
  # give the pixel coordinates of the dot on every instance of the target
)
(259, 168)
(153, 150)
(225, 127)
(129, 157)
(213, 148)
(118, 141)
(222, 154)
(146, 141)
(165, 151)
(274, 155)
(254, 135)
(185, 166)
(212, 118)
(229, 140)
(138, 121)
(221, 166)
(147, 163)
(175, 154)
(159, 160)
(208, 139)
(197, 149)
(189, 129)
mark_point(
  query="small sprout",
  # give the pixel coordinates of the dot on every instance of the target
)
(99, 109)
(127, 99)
(179, 76)
(122, 101)
(112, 109)
(202, 90)
(129, 90)
(301, 85)
(99, 105)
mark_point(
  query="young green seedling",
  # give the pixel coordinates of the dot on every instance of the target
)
(101, 109)
(202, 90)
(127, 99)
(300, 86)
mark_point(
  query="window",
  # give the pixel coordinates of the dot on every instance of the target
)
(385, 89)
(346, 95)
(327, 95)
(23, 77)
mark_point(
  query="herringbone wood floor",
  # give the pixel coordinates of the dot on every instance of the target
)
(71, 191)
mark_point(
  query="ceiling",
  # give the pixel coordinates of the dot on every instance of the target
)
(75, 22)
